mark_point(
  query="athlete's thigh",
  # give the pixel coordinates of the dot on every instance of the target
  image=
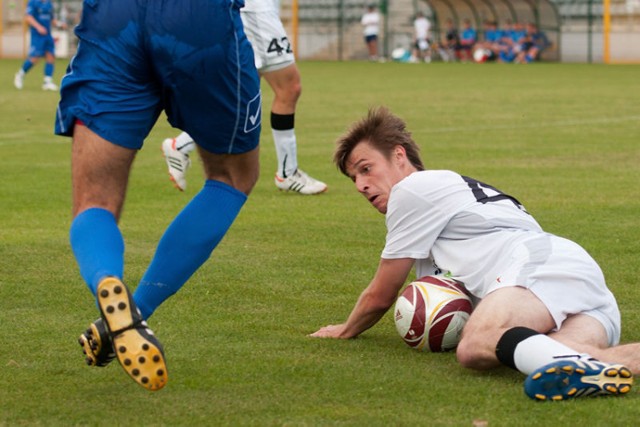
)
(582, 330)
(99, 170)
(505, 308)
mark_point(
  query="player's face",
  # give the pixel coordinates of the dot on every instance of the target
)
(374, 174)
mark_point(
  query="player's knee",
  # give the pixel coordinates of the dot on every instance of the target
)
(289, 92)
(292, 93)
(465, 354)
(473, 352)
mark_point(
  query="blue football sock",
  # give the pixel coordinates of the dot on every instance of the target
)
(188, 243)
(48, 69)
(97, 245)
(26, 66)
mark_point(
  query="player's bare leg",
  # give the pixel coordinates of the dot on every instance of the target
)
(100, 172)
(240, 171)
(495, 314)
(585, 334)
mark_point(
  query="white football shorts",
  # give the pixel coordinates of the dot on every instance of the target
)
(565, 278)
(271, 46)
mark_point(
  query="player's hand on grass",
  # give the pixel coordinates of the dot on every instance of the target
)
(331, 331)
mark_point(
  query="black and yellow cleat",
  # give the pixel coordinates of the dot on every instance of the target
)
(137, 349)
(568, 379)
(96, 344)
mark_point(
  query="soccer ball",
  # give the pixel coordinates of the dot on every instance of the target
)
(481, 55)
(431, 312)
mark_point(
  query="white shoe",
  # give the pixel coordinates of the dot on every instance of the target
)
(50, 86)
(177, 162)
(301, 183)
(18, 80)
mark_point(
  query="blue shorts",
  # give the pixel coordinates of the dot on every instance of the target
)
(370, 38)
(190, 58)
(41, 45)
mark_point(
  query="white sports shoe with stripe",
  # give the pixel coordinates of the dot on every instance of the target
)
(49, 85)
(301, 183)
(567, 379)
(177, 162)
(18, 80)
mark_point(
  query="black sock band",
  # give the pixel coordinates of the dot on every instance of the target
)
(509, 341)
(282, 121)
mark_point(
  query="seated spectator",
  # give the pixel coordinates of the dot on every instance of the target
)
(468, 39)
(534, 43)
(518, 33)
(490, 40)
(450, 42)
(506, 44)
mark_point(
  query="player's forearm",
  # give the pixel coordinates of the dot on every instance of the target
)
(33, 23)
(367, 312)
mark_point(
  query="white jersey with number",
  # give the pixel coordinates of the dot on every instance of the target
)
(487, 240)
(264, 29)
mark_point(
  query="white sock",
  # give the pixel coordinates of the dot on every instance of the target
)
(184, 143)
(285, 142)
(539, 350)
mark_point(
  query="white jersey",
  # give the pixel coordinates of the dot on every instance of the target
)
(371, 23)
(487, 240)
(421, 27)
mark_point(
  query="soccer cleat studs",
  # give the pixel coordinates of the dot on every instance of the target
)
(137, 349)
(563, 380)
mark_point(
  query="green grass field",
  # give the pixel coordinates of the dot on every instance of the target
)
(564, 139)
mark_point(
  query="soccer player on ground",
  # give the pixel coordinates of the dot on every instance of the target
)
(544, 307)
(193, 60)
(276, 63)
(40, 17)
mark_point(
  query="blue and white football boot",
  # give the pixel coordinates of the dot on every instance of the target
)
(567, 379)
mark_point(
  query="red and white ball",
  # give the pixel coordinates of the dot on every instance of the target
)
(431, 312)
(481, 55)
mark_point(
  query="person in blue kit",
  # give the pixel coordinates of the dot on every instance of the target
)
(40, 17)
(190, 58)
(468, 39)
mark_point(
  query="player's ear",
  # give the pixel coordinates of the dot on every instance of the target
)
(399, 152)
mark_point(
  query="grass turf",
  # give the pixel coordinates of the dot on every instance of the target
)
(563, 138)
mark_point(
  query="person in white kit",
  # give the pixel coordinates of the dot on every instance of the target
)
(421, 48)
(370, 22)
(275, 62)
(542, 304)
